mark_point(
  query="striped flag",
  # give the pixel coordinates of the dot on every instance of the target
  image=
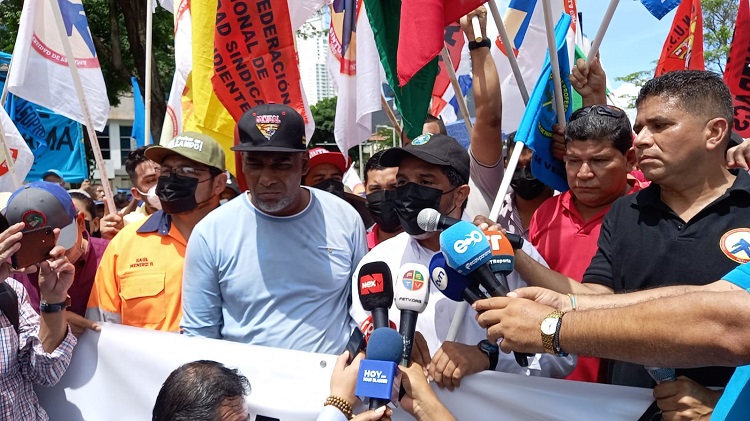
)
(20, 153)
(444, 98)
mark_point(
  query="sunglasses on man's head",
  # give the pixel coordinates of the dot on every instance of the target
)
(605, 110)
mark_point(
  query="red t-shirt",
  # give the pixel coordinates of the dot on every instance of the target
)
(568, 243)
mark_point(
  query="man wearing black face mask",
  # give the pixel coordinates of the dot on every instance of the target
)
(139, 280)
(527, 194)
(433, 172)
(379, 183)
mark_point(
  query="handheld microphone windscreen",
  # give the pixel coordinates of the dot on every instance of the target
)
(503, 257)
(660, 374)
(378, 371)
(375, 286)
(451, 283)
(412, 289)
(465, 247)
(431, 220)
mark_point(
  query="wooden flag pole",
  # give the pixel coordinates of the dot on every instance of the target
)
(554, 62)
(109, 198)
(147, 93)
(457, 89)
(602, 30)
(511, 55)
(389, 113)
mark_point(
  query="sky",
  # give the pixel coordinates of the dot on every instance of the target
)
(634, 39)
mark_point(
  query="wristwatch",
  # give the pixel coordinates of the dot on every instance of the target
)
(54, 307)
(550, 330)
(492, 351)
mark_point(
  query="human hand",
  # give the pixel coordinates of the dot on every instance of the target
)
(9, 245)
(543, 296)
(454, 361)
(383, 413)
(558, 142)
(85, 184)
(514, 320)
(55, 275)
(420, 352)
(739, 156)
(344, 377)
(590, 81)
(79, 324)
(486, 224)
(420, 400)
(481, 14)
(110, 225)
(684, 399)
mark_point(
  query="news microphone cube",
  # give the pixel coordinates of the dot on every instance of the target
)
(465, 247)
(376, 379)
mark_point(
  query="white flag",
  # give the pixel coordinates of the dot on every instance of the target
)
(39, 72)
(19, 150)
(354, 67)
(183, 57)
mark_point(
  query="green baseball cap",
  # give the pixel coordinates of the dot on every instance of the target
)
(198, 147)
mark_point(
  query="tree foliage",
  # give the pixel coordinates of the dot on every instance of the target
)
(324, 113)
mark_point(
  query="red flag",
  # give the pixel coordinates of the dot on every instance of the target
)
(454, 40)
(737, 71)
(683, 48)
(423, 24)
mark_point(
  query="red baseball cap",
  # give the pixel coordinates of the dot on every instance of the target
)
(324, 156)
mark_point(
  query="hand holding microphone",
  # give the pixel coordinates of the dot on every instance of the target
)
(379, 377)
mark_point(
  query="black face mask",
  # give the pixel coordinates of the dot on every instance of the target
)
(410, 199)
(177, 193)
(382, 207)
(332, 186)
(525, 185)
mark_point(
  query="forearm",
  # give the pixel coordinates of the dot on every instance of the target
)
(52, 330)
(486, 138)
(433, 410)
(595, 302)
(598, 98)
(690, 330)
(535, 274)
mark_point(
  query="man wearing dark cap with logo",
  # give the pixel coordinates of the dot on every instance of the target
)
(139, 281)
(272, 267)
(433, 172)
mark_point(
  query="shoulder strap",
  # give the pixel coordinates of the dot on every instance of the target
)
(9, 304)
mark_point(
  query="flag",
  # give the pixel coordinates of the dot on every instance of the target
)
(535, 130)
(355, 72)
(683, 48)
(422, 25)
(737, 70)
(167, 4)
(524, 22)
(183, 57)
(20, 153)
(26, 118)
(659, 8)
(40, 71)
(413, 98)
(443, 93)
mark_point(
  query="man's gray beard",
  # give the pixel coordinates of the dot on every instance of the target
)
(275, 207)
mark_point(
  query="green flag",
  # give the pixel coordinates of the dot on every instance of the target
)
(412, 99)
(577, 100)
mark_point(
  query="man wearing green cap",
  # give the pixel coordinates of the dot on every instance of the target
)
(139, 280)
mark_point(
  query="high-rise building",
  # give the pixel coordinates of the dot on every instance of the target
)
(313, 55)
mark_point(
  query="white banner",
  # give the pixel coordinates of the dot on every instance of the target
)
(117, 374)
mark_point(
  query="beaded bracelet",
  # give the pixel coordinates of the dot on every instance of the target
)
(341, 405)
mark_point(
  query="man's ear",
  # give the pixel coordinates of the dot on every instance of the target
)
(630, 160)
(220, 183)
(136, 194)
(305, 164)
(462, 194)
(717, 129)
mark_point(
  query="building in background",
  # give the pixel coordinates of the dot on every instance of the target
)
(312, 50)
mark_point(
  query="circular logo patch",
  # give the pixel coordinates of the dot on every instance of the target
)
(736, 245)
(34, 219)
(421, 139)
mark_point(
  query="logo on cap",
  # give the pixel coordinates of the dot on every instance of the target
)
(267, 124)
(34, 219)
(413, 280)
(185, 142)
(421, 139)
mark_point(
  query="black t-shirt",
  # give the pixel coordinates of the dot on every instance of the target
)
(643, 244)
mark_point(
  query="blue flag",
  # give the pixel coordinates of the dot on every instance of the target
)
(138, 129)
(659, 8)
(25, 116)
(535, 129)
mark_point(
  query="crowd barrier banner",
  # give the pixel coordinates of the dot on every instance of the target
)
(117, 374)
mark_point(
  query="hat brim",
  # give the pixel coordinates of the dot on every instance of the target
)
(336, 159)
(393, 157)
(158, 153)
(253, 148)
(68, 235)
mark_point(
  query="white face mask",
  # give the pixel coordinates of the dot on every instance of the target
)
(222, 201)
(151, 197)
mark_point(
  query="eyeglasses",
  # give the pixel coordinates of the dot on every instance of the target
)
(184, 171)
(605, 110)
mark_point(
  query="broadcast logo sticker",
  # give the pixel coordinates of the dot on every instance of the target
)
(440, 278)
(372, 283)
(462, 245)
(421, 139)
(413, 280)
(268, 124)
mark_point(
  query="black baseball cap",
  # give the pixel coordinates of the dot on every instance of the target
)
(270, 128)
(437, 149)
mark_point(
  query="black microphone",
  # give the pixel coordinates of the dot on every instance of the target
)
(411, 293)
(376, 291)
(431, 220)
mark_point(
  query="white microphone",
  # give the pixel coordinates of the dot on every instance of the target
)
(410, 294)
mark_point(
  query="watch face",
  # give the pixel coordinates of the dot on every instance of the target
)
(549, 325)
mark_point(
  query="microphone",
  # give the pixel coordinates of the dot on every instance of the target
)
(376, 291)
(431, 220)
(503, 256)
(452, 284)
(411, 293)
(378, 377)
(662, 374)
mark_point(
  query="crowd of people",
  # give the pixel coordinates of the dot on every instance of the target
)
(653, 230)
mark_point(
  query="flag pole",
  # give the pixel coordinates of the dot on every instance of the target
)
(602, 30)
(109, 198)
(552, 47)
(389, 113)
(147, 93)
(511, 56)
(457, 89)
